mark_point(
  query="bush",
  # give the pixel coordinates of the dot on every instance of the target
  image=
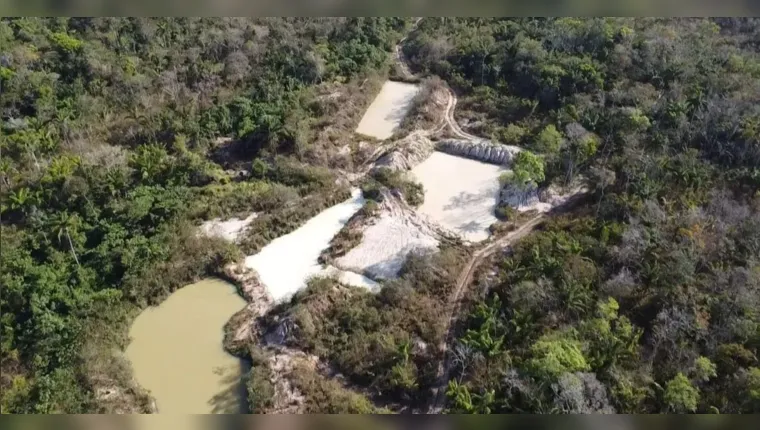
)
(527, 168)
(512, 134)
(548, 141)
(395, 180)
(258, 384)
(505, 212)
(327, 396)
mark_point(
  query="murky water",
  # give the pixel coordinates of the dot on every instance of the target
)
(176, 351)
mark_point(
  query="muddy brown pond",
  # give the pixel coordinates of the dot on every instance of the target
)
(177, 354)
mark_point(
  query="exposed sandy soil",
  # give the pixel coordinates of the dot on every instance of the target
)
(350, 278)
(460, 194)
(230, 230)
(289, 261)
(387, 110)
(385, 246)
(541, 201)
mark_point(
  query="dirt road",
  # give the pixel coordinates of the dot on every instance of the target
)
(455, 302)
(400, 55)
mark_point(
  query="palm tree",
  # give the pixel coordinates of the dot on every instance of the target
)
(64, 223)
(20, 198)
(461, 396)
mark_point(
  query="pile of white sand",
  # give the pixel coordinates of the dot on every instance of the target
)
(529, 198)
(460, 194)
(387, 110)
(523, 199)
(350, 278)
(289, 261)
(230, 229)
(385, 247)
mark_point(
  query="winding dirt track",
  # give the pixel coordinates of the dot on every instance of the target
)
(454, 302)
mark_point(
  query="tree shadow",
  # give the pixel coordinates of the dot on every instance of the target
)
(465, 199)
(400, 108)
(386, 269)
(231, 397)
(391, 267)
(470, 227)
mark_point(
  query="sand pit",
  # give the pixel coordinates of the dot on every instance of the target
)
(387, 110)
(460, 194)
(289, 261)
(230, 229)
(386, 245)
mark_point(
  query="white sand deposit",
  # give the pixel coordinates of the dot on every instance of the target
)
(386, 245)
(287, 262)
(230, 229)
(460, 194)
(529, 198)
(350, 278)
(387, 110)
(524, 199)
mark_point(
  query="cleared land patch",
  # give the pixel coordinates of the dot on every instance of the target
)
(229, 230)
(385, 246)
(387, 110)
(460, 194)
(289, 261)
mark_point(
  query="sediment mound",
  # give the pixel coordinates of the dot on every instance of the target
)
(387, 242)
(482, 150)
(522, 198)
(408, 152)
(542, 200)
(230, 230)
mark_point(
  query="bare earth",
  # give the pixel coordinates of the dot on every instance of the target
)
(387, 110)
(460, 194)
(385, 246)
(230, 230)
(289, 261)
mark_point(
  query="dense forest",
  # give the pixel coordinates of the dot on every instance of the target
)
(119, 134)
(646, 299)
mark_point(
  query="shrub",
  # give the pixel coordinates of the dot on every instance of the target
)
(527, 168)
(395, 180)
(680, 395)
(512, 134)
(258, 383)
(549, 140)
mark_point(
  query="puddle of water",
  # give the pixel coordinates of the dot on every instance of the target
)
(176, 351)
(388, 109)
(288, 261)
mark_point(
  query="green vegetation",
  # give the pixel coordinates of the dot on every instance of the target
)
(119, 134)
(646, 300)
(395, 181)
(384, 342)
(527, 171)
